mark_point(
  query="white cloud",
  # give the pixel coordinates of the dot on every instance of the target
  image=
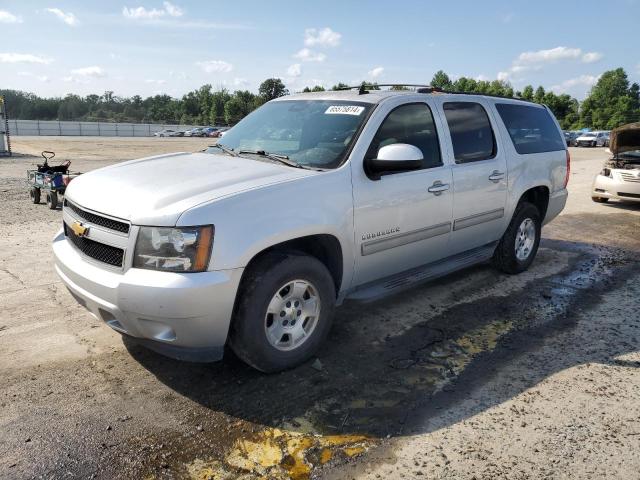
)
(68, 18)
(240, 82)
(324, 37)
(92, 71)
(172, 10)
(376, 72)
(591, 57)
(23, 58)
(155, 82)
(484, 78)
(294, 70)
(307, 55)
(581, 81)
(8, 17)
(548, 56)
(504, 76)
(178, 75)
(215, 66)
(141, 13)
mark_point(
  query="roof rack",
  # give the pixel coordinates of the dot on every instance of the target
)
(364, 88)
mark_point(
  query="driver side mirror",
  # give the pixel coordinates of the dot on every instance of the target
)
(397, 157)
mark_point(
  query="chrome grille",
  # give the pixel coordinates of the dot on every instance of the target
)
(629, 177)
(98, 219)
(98, 251)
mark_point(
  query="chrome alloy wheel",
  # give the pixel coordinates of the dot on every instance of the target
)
(525, 239)
(292, 315)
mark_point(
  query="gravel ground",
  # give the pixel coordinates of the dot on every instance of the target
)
(477, 375)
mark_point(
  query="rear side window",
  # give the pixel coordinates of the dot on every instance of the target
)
(413, 124)
(471, 132)
(532, 130)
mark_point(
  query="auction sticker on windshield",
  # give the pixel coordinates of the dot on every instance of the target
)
(344, 110)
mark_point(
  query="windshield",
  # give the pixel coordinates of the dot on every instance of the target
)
(588, 134)
(312, 133)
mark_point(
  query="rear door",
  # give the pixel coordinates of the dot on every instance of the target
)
(403, 219)
(479, 169)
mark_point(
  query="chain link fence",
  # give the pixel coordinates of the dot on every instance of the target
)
(89, 129)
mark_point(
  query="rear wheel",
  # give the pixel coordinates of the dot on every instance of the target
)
(52, 200)
(285, 310)
(519, 244)
(34, 194)
(600, 199)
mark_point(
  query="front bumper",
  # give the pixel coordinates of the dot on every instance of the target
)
(617, 187)
(181, 315)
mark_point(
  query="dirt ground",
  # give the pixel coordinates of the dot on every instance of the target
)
(478, 375)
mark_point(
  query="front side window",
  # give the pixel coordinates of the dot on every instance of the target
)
(471, 133)
(412, 124)
(531, 128)
(312, 133)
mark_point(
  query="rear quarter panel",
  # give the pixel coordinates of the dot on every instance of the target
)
(546, 169)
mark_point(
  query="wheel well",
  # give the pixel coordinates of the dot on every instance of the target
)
(324, 247)
(539, 196)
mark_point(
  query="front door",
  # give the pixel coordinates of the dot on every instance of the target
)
(402, 220)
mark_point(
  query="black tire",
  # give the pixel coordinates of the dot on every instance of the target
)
(504, 257)
(34, 194)
(600, 199)
(52, 200)
(248, 337)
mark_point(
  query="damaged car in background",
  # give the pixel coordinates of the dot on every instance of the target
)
(620, 176)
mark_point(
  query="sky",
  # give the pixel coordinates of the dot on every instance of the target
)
(146, 47)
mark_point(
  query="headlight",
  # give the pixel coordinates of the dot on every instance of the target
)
(183, 249)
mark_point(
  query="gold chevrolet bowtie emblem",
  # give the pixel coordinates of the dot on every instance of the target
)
(79, 229)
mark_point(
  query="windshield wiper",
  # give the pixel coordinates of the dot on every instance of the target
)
(284, 159)
(225, 149)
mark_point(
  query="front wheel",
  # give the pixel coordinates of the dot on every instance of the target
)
(285, 310)
(52, 200)
(600, 199)
(519, 244)
(34, 194)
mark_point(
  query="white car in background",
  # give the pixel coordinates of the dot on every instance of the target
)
(592, 139)
(620, 177)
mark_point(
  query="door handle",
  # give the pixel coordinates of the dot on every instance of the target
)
(496, 176)
(438, 187)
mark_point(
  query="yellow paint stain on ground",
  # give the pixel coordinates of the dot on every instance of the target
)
(483, 339)
(325, 455)
(278, 454)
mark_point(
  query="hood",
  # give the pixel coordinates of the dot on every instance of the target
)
(157, 190)
(625, 138)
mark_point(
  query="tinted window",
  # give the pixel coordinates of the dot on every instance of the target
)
(471, 132)
(532, 130)
(412, 124)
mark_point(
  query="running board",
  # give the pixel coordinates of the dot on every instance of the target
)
(402, 281)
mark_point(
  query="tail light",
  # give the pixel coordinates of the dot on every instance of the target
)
(566, 177)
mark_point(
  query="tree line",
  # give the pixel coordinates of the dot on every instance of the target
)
(611, 102)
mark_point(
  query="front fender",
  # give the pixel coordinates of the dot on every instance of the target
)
(251, 221)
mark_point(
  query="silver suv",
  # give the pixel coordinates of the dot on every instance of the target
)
(311, 200)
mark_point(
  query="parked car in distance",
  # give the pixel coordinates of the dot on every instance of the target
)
(591, 139)
(219, 132)
(620, 176)
(208, 131)
(570, 138)
(195, 132)
(310, 200)
(606, 139)
(168, 133)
